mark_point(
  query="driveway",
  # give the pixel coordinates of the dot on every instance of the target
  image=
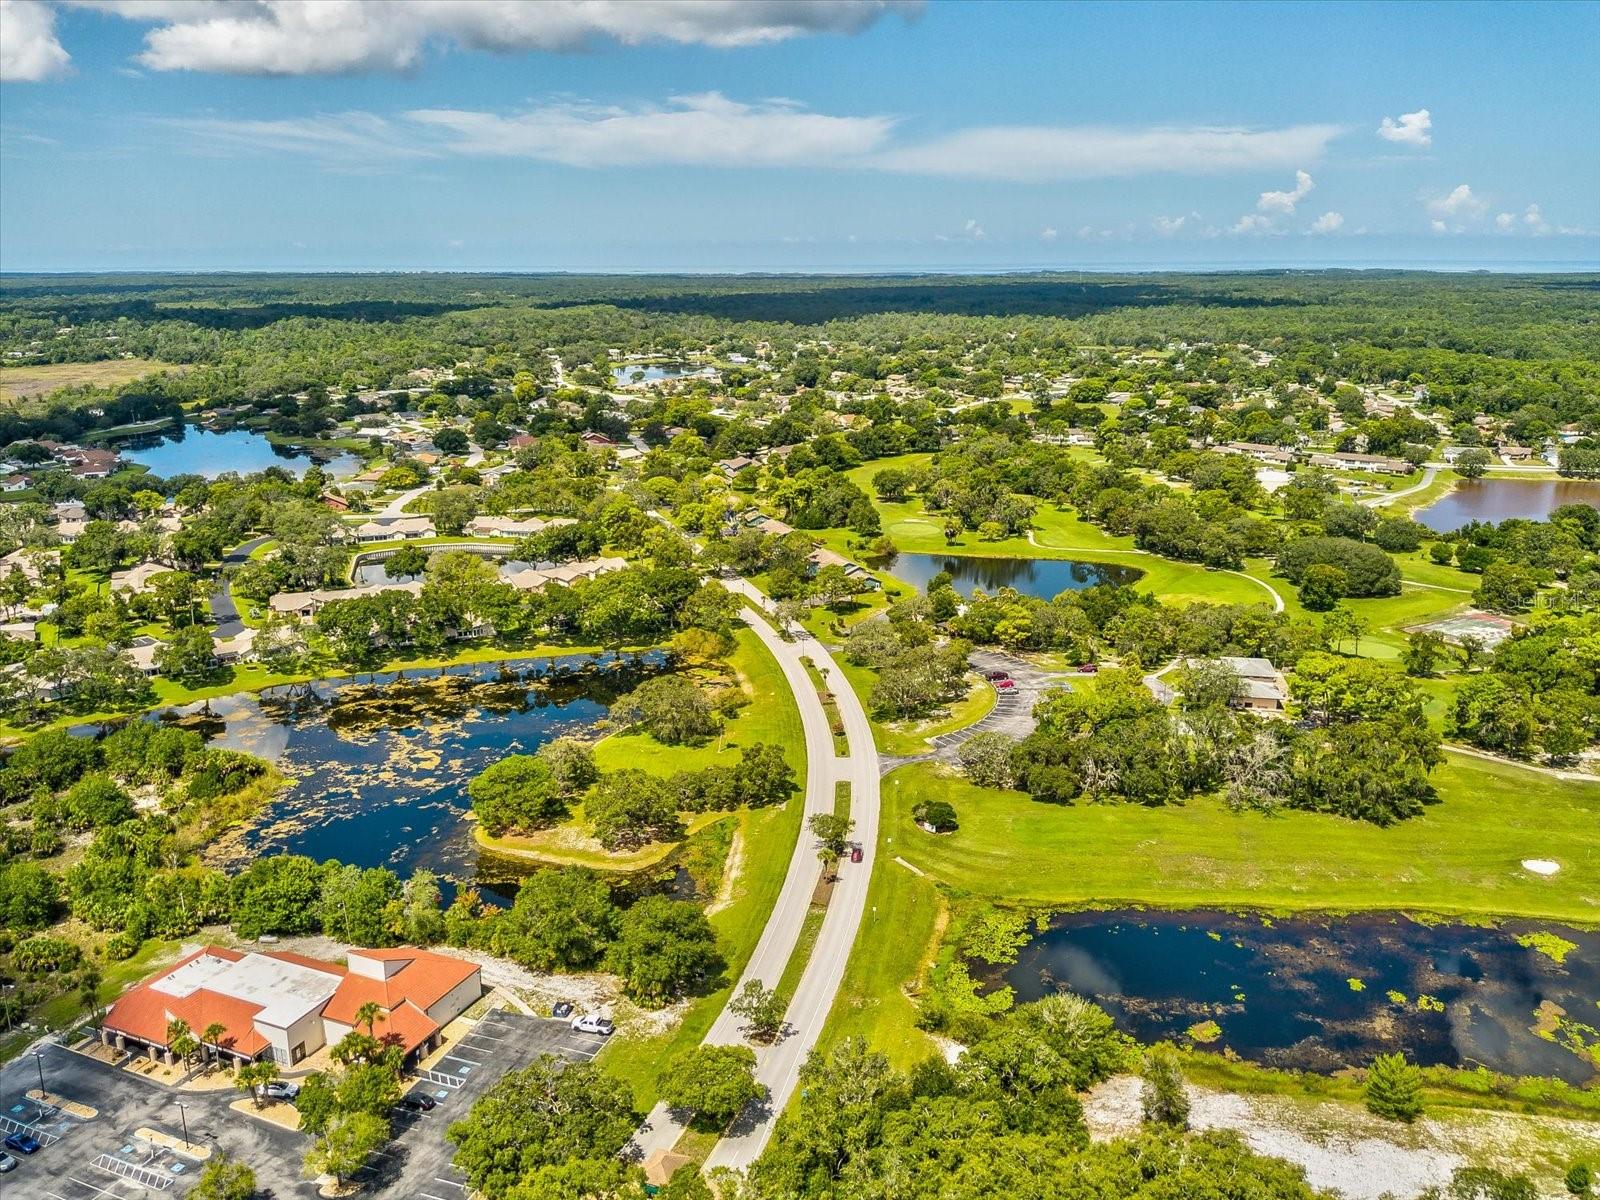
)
(224, 613)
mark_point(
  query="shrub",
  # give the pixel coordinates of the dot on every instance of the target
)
(1394, 1088)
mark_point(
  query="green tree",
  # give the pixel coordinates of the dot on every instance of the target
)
(181, 1040)
(519, 792)
(1323, 586)
(562, 919)
(714, 1082)
(1424, 650)
(571, 763)
(406, 563)
(452, 508)
(1394, 1088)
(664, 948)
(345, 1144)
(224, 1179)
(937, 815)
(549, 1113)
(762, 1010)
(1162, 1095)
(670, 708)
(629, 809)
(254, 1077)
(1472, 464)
(189, 655)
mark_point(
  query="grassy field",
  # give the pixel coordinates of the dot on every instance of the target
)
(29, 382)
(1461, 858)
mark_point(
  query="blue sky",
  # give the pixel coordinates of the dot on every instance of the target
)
(452, 134)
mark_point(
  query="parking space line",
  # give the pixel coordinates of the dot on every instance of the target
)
(450, 1183)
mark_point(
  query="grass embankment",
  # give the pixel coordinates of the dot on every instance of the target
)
(1461, 859)
(763, 845)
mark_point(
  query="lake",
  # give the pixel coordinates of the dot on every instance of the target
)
(1042, 577)
(381, 762)
(1500, 499)
(657, 372)
(197, 451)
(1279, 991)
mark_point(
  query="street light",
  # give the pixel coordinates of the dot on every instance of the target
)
(38, 1061)
(183, 1115)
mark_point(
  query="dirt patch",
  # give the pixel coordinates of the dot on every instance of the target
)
(1343, 1147)
(731, 869)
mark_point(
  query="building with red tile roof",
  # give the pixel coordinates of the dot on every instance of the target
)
(282, 1005)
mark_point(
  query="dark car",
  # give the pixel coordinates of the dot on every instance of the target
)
(418, 1102)
(562, 1008)
(23, 1143)
(1087, 668)
(855, 854)
(993, 675)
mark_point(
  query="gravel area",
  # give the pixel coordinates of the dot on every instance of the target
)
(1344, 1148)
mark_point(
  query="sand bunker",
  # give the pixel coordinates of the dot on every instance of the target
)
(1540, 866)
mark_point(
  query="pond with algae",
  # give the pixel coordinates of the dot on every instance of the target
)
(380, 763)
(1323, 993)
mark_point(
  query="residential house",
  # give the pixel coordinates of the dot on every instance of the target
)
(393, 529)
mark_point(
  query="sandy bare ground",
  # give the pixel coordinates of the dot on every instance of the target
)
(1347, 1149)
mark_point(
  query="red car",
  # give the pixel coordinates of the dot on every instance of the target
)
(855, 854)
(1004, 684)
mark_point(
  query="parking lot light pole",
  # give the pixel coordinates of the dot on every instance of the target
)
(183, 1115)
(38, 1061)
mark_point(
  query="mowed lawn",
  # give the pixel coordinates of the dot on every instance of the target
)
(1461, 858)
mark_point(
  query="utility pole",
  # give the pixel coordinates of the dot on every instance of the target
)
(183, 1115)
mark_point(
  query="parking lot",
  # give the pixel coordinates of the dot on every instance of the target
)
(101, 1159)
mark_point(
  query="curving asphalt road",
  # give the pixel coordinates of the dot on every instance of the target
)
(224, 613)
(778, 1065)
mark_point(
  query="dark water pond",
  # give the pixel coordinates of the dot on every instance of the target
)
(1279, 991)
(381, 762)
(1042, 577)
(1501, 499)
(195, 451)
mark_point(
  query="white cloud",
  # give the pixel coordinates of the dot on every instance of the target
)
(1505, 222)
(1410, 129)
(29, 51)
(1534, 220)
(319, 37)
(1284, 202)
(1038, 153)
(1328, 222)
(1438, 227)
(1252, 223)
(702, 130)
(708, 129)
(973, 230)
(354, 139)
(1458, 202)
(1172, 226)
(1049, 234)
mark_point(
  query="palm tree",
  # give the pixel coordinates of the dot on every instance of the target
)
(369, 1014)
(212, 1036)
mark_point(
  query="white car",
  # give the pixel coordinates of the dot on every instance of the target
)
(596, 1025)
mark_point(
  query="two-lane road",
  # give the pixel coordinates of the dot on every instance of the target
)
(778, 1065)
